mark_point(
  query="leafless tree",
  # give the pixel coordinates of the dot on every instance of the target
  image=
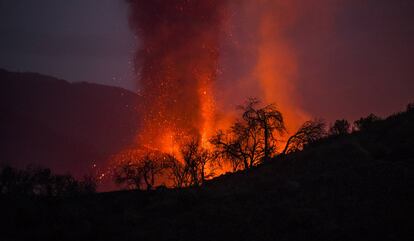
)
(177, 171)
(242, 145)
(208, 158)
(251, 139)
(151, 165)
(128, 173)
(189, 151)
(268, 118)
(227, 146)
(196, 158)
(139, 169)
(309, 132)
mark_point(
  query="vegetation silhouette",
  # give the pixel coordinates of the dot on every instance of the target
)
(37, 181)
(339, 184)
(308, 133)
(268, 118)
(249, 142)
(142, 169)
(251, 139)
(365, 123)
(340, 128)
(196, 158)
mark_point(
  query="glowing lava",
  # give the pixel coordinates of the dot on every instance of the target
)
(177, 62)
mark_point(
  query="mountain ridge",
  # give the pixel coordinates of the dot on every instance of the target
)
(95, 120)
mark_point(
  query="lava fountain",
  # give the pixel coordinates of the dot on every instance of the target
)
(177, 65)
(197, 59)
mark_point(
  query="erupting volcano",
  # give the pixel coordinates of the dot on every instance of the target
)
(197, 59)
(177, 65)
(206, 119)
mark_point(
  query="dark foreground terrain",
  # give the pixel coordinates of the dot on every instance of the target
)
(354, 187)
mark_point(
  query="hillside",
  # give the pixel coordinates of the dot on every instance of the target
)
(62, 125)
(354, 187)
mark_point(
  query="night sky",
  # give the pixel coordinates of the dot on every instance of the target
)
(77, 40)
(360, 61)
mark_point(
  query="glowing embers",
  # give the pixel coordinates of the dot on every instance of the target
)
(177, 62)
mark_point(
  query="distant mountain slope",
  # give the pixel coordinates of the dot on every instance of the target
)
(63, 125)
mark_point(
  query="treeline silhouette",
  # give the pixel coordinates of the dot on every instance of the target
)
(254, 138)
(251, 140)
(343, 181)
(38, 181)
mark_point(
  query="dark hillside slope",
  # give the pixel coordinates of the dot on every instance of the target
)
(63, 125)
(355, 187)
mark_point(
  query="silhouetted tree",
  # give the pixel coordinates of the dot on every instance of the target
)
(128, 173)
(268, 118)
(340, 127)
(41, 182)
(177, 171)
(243, 144)
(10, 180)
(189, 152)
(150, 168)
(196, 159)
(365, 122)
(309, 132)
(64, 185)
(139, 169)
(88, 184)
(251, 139)
(410, 107)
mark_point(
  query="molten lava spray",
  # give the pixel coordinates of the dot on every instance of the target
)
(177, 62)
(198, 59)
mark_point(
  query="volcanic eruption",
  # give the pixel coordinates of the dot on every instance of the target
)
(177, 64)
(197, 59)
